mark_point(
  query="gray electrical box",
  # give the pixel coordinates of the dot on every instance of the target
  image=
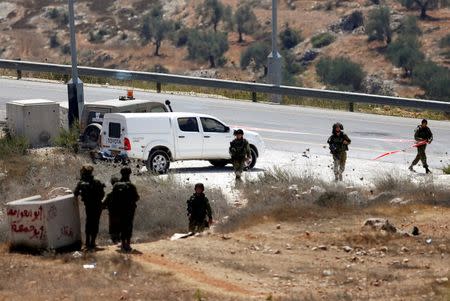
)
(35, 119)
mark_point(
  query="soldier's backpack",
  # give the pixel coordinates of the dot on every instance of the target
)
(92, 191)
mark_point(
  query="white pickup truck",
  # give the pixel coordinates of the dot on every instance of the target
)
(161, 138)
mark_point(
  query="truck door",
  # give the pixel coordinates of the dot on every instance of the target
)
(189, 140)
(217, 137)
(113, 136)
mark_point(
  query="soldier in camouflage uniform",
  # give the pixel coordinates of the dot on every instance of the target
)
(422, 133)
(338, 143)
(91, 191)
(240, 152)
(111, 204)
(125, 195)
(198, 209)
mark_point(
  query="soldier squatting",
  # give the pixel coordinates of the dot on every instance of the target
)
(121, 201)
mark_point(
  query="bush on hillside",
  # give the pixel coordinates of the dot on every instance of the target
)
(322, 40)
(340, 73)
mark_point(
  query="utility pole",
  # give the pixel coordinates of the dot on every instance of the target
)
(274, 58)
(75, 85)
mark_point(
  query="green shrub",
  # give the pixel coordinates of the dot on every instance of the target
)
(257, 52)
(445, 41)
(207, 46)
(341, 73)
(434, 79)
(405, 53)
(68, 138)
(322, 40)
(378, 25)
(446, 170)
(10, 146)
(290, 37)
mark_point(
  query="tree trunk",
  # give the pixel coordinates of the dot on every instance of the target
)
(240, 37)
(423, 8)
(158, 45)
(212, 63)
(423, 12)
(215, 27)
(388, 39)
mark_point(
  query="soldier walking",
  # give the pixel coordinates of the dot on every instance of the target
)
(91, 191)
(125, 195)
(198, 209)
(422, 134)
(338, 143)
(113, 206)
(240, 152)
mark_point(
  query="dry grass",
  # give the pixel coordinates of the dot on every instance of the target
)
(161, 210)
(280, 196)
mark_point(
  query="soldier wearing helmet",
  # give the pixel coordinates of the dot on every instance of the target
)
(240, 152)
(91, 192)
(422, 134)
(338, 143)
(198, 210)
(124, 197)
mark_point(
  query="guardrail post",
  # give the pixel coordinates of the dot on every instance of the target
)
(254, 99)
(351, 107)
(19, 72)
(158, 87)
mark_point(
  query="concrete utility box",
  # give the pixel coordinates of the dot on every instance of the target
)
(35, 119)
(44, 224)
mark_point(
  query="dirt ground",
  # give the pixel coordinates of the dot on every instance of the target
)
(303, 260)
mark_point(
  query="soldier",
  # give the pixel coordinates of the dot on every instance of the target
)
(126, 195)
(91, 192)
(339, 142)
(198, 209)
(422, 134)
(240, 152)
(111, 204)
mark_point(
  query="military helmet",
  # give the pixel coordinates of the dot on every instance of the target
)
(337, 124)
(86, 170)
(238, 132)
(424, 121)
(125, 171)
(199, 185)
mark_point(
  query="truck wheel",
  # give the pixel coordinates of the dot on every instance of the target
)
(91, 137)
(219, 163)
(252, 162)
(158, 162)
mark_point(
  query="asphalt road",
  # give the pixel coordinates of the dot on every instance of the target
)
(286, 128)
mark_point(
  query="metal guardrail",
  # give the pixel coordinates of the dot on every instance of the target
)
(229, 85)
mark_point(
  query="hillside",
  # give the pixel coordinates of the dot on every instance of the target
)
(109, 35)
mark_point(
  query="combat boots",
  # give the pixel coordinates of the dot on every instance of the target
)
(427, 170)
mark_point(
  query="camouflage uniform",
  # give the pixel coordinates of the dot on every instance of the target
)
(112, 205)
(198, 209)
(339, 151)
(422, 133)
(126, 195)
(91, 192)
(239, 152)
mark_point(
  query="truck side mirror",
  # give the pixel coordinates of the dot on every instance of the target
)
(227, 129)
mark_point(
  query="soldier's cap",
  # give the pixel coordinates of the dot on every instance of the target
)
(199, 185)
(238, 132)
(86, 169)
(424, 121)
(125, 171)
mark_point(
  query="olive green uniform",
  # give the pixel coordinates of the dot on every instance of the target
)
(339, 151)
(92, 193)
(422, 134)
(239, 152)
(198, 209)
